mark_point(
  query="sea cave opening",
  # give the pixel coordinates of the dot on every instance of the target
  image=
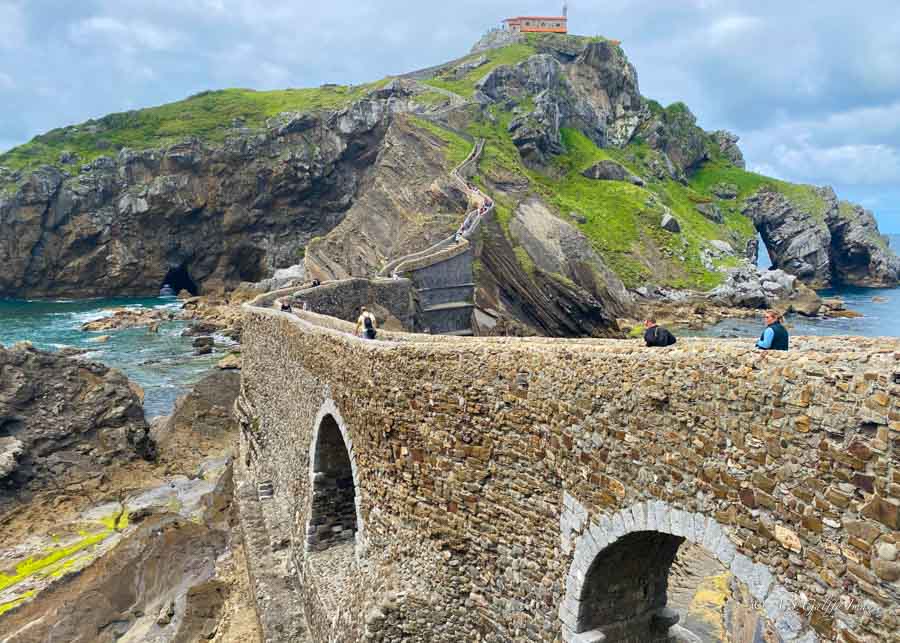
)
(179, 279)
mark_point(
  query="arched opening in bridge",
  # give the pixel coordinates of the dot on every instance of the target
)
(332, 519)
(655, 573)
(179, 279)
(625, 591)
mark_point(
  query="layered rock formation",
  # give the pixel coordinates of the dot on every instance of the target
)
(63, 421)
(824, 242)
(409, 201)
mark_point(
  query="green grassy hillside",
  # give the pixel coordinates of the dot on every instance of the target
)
(209, 116)
(621, 220)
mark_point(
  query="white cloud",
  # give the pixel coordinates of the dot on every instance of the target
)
(731, 29)
(129, 36)
(13, 33)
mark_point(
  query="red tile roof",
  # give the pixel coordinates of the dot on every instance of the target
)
(536, 18)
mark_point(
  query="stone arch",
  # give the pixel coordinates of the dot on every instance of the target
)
(335, 514)
(605, 568)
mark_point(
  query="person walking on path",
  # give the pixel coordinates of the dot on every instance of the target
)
(775, 336)
(657, 335)
(367, 323)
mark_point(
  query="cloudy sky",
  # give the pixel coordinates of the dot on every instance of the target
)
(811, 86)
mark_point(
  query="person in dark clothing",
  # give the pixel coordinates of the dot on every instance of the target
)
(657, 335)
(775, 336)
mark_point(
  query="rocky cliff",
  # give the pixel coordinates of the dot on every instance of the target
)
(230, 186)
(191, 214)
(824, 242)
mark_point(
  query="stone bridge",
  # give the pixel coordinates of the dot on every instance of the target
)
(425, 488)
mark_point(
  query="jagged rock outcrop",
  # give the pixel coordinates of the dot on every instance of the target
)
(218, 215)
(728, 147)
(597, 93)
(825, 242)
(860, 255)
(63, 420)
(674, 133)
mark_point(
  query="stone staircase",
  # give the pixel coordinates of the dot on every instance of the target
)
(442, 275)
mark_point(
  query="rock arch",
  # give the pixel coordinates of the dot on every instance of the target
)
(335, 514)
(621, 563)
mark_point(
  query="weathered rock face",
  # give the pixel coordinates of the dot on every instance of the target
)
(674, 132)
(837, 244)
(406, 189)
(64, 420)
(219, 215)
(568, 291)
(798, 242)
(860, 255)
(557, 248)
(596, 93)
(728, 146)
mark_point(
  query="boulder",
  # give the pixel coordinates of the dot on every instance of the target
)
(725, 190)
(607, 170)
(670, 223)
(750, 287)
(711, 211)
(230, 362)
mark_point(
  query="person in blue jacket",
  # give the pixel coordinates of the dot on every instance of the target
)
(775, 336)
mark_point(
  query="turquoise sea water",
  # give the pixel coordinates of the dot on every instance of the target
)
(880, 308)
(162, 364)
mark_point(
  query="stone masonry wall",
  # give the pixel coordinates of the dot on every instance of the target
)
(492, 473)
(342, 299)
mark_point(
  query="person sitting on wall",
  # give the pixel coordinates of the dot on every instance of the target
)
(657, 335)
(367, 323)
(775, 336)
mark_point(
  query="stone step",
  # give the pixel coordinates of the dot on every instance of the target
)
(453, 305)
(460, 333)
(446, 287)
